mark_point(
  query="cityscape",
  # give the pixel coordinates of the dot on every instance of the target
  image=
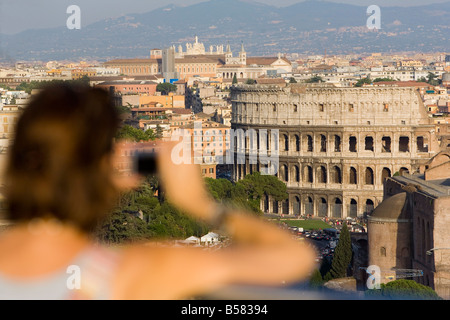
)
(327, 127)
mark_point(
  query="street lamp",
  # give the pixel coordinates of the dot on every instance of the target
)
(430, 252)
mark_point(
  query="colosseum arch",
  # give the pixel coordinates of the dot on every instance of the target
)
(284, 173)
(284, 142)
(337, 208)
(309, 143)
(369, 206)
(403, 170)
(322, 174)
(336, 175)
(296, 143)
(353, 176)
(322, 209)
(323, 143)
(353, 208)
(385, 173)
(337, 143)
(296, 205)
(308, 174)
(309, 206)
(369, 176)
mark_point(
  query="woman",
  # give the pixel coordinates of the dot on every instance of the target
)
(60, 183)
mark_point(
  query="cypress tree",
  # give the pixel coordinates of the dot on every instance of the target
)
(235, 81)
(342, 255)
(316, 280)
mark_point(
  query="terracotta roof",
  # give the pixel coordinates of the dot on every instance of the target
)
(132, 61)
(402, 84)
(174, 110)
(201, 59)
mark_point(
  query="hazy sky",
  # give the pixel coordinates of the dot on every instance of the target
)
(19, 15)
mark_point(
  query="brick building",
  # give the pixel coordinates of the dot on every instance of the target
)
(409, 229)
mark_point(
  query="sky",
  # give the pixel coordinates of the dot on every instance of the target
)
(20, 15)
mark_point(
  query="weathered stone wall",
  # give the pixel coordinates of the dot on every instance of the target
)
(336, 145)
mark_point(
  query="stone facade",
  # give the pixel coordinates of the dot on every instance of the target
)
(336, 145)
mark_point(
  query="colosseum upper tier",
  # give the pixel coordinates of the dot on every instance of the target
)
(336, 145)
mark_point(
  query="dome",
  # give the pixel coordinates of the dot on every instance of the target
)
(391, 209)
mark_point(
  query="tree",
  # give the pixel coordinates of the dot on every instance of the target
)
(248, 192)
(128, 132)
(432, 79)
(364, 81)
(256, 186)
(315, 79)
(235, 80)
(292, 80)
(250, 81)
(403, 289)
(422, 79)
(159, 132)
(316, 281)
(342, 256)
(383, 79)
(166, 88)
(160, 218)
(120, 227)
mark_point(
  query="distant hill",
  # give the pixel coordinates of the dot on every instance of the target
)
(307, 27)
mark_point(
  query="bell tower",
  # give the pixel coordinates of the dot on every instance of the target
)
(242, 55)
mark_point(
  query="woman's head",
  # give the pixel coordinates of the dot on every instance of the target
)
(58, 164)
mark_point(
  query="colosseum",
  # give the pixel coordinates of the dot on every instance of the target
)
(336, 145)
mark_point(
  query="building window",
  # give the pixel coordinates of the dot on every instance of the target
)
(386, 144)
(403, 144)
(383, 251)
(296, 173)
(322, 174)
(352, 144)
(323, 143)
(336, 175)
(353, 176)
(285, 142)
(308, 174)
(368, 144)
(421, 145)
(369, 176)
(337, 143)
(297, 143)
(310, 147)
(386, 173)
